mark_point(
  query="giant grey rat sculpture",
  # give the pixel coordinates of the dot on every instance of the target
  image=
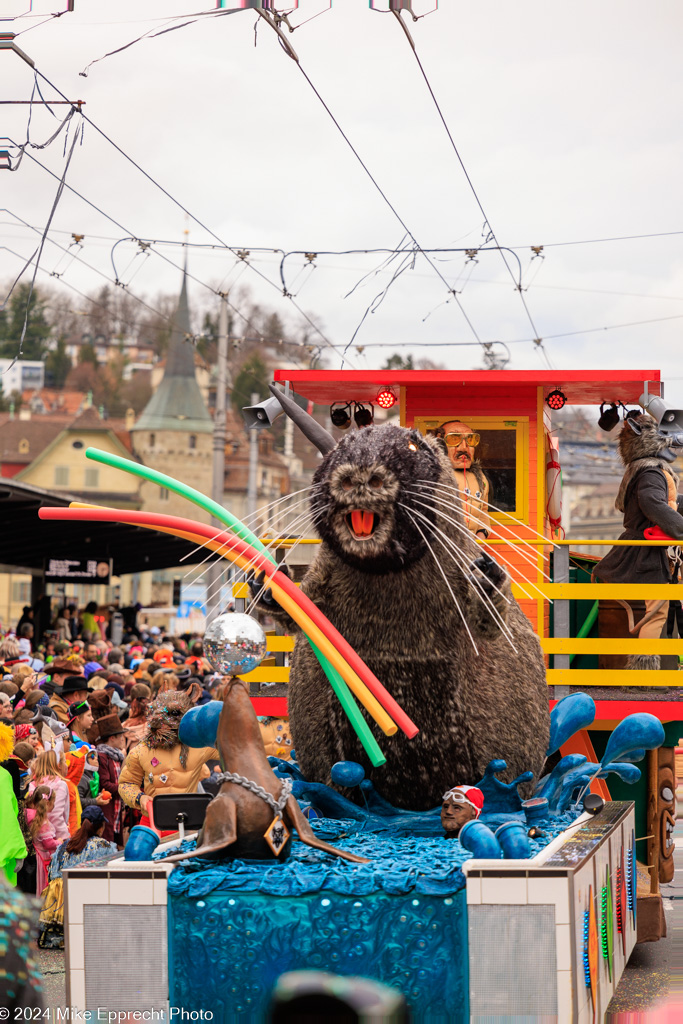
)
(402, 579)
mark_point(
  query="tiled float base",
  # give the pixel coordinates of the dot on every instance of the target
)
(526, 924)
(116, 938)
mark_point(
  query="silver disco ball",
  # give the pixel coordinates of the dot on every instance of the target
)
(234, 644)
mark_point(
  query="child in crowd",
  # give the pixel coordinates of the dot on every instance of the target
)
(38, 806)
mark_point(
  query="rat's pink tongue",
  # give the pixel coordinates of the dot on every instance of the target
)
(362, 522)
(357, 521)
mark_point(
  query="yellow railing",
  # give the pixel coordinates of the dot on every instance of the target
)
(552, 645)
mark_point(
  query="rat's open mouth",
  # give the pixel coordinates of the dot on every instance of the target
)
(361, 523)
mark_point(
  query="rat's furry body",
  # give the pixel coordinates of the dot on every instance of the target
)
(390, 599)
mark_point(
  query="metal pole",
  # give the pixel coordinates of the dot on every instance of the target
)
(561, 612)
(218, 479)
(252, 487)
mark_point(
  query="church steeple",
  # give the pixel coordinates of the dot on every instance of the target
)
(177, 404)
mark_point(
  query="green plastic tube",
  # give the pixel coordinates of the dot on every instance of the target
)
(338, 684)
(586, 626)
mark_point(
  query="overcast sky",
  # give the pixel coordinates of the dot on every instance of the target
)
(567, 119)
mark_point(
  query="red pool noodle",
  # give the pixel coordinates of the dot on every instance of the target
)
(261, 562)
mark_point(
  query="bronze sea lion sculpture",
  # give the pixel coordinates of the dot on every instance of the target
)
(240, 815)
(402, 579)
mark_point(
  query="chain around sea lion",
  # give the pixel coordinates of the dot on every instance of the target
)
(277, 806)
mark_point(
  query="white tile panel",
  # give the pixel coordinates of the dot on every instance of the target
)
(85, 891)
(77, 989)
(136, 891)
(160, 890)
(76, 948)
(504, 890)
(563, 946)
(565, 1008)
(551, 890)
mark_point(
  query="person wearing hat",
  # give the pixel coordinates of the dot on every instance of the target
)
(164, 658)
(111, 752)
(100, 705)
(74, 688)
(91, 668)
(460, 804)
(118, 703)
(79, 721)
(136, 723)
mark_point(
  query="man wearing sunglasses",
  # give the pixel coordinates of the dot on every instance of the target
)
(461, 444)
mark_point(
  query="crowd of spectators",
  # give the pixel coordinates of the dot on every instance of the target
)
(72, 708)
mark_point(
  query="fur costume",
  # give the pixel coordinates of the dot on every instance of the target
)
(161, 763)
(392, 594)
(648, 495)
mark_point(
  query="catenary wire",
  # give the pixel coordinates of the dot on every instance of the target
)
(180, 205)
(374, 181)
(487, 222)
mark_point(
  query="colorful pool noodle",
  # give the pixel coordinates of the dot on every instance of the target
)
(370, 703)
(336, 680)
(334, 646)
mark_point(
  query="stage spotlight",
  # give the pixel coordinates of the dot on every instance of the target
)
(386, 398)
(608, 418)
(340, 414)
(556, 400)
(363, 415)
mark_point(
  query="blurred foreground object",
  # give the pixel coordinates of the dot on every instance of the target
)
(304, 997)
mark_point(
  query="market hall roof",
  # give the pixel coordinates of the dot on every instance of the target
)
(177, 403)
(27, 541)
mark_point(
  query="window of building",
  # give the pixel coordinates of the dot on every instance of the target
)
(152, 440)
(23, 446)
(61, 476)
(21, 591)
(163, 494)
(502, 452)
(193, 440)
(92, 477)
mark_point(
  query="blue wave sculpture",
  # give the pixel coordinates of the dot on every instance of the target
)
(639, 731)
(572, 713)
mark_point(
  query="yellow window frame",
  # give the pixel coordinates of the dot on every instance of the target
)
(520, 424)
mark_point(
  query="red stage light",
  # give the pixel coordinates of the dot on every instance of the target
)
(556, 399)
(386, 398)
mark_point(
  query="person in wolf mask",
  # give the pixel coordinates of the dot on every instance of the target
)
(648, 496)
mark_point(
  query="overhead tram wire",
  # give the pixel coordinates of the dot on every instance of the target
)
(596, 241)
(39, 251)
(96, 270)
(133, 237)
(291, 53)
(196, 220)
(518, 284)
(67, 284)
(101, 305)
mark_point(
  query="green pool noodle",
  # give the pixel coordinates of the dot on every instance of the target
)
(336, 681)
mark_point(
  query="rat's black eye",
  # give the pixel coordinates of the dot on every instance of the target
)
(346, 483)
(412, 446)
(376, 482)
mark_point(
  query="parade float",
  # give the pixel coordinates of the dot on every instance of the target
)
(535, 907)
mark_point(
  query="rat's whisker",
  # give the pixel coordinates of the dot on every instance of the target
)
(446, 580)
(447, 542)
